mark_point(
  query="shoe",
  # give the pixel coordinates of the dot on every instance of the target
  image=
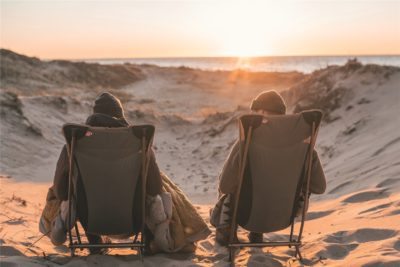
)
(255, 237)
(222, 236)
(100, 251)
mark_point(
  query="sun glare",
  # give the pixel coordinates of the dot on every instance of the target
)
(243, 63)
(240, 29)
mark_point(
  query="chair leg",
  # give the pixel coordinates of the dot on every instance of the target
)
(140, 252)
(78, 235)
(72, 252)
(232, 256)
(298, 254)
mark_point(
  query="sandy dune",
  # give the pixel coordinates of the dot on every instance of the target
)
(355, 223)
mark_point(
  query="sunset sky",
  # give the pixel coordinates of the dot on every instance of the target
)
(122, 29)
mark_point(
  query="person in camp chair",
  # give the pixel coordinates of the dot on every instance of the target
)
(267, 103)
(107, 112)
(172, 222)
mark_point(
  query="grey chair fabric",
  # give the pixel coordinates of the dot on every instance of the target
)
(275, 166)
(109, 163)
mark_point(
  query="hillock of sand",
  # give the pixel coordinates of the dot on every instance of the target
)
(355, 223)
(32, 74)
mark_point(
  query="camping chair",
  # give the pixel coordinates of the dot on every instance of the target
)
(274, 175)
(111, 163)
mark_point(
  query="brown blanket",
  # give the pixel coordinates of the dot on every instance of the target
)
(49, 213)
(186, 225)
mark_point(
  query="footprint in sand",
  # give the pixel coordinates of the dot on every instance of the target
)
(388, 182)
(262, 260)
(378, 263)
(360, 236)
(377, 208)
(317, 214)
(339, 187)
(396, 245)
(336, 251)
(8, 264)
(365, 196)
(386, 146)
(393, 212)
(9, 251)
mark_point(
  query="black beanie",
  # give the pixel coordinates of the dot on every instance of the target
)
(108, 104)
(269, 101)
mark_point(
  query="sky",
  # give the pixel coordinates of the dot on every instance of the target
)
(124, 29)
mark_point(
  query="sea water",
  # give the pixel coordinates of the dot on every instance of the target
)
(305, 64)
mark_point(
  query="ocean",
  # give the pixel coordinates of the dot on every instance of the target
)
(305, 64)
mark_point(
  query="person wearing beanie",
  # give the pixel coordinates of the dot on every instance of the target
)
(107, 112)
(266, 103)
(165, 200)
(269, 102)
(108, 104)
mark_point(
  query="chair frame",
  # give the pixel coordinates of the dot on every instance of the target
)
(139, 245)
(297, 243)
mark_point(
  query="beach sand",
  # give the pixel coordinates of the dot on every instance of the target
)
(355, 223)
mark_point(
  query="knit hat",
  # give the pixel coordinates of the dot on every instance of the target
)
(108, 104)
(269, 101)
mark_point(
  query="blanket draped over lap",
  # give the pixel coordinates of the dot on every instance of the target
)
(186, 225)
(171, 217)
(53, 221)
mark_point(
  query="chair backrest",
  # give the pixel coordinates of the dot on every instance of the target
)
(275, 168)
(109, 162)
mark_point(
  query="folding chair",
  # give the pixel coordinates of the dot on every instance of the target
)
(274, 174)
(111, 163)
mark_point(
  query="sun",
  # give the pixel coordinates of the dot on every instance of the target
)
(240, 29)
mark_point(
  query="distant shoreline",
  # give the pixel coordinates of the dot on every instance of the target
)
(221, 57)
(304, 64)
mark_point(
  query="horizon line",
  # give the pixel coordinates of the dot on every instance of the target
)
(207, 57)
(247, 57)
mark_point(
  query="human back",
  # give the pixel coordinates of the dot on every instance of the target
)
(271, 105)
(275, 169)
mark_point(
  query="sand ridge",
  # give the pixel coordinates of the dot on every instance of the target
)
(355, 223)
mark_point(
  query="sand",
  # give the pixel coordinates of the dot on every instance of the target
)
(355, 223)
